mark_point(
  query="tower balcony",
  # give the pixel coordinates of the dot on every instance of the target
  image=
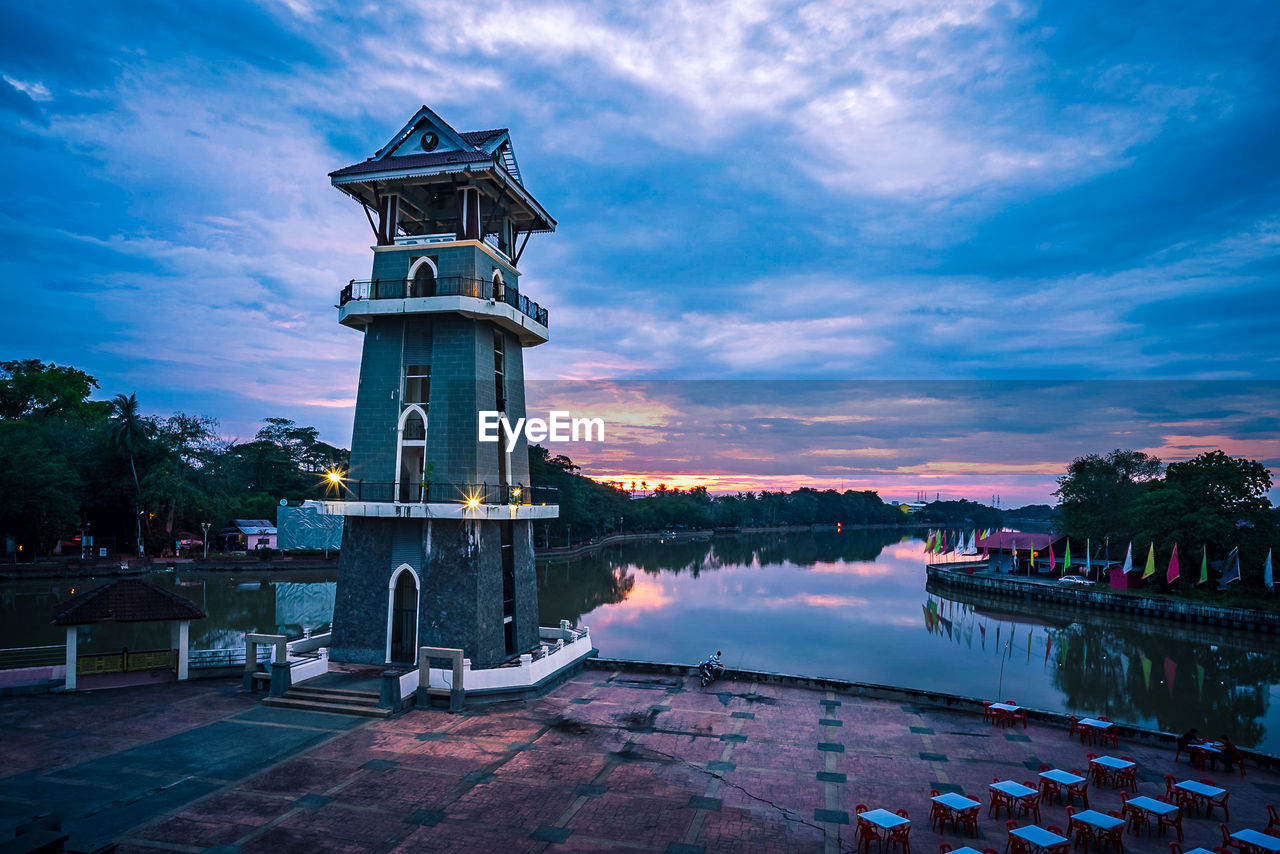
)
(437, 500)
(363, 300)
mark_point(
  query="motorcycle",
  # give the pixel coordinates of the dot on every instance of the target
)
(709, 671)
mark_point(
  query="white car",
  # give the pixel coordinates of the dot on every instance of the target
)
(1075, 581)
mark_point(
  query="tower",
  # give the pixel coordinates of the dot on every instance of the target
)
(437, 543)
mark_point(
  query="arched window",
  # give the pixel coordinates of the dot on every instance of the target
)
(411, 450)
(422, 279)
(499, 287)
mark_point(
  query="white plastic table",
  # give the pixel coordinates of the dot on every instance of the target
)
(1098, 820)
(1012, 789)
(1258, 840)
(1152, 806)
(1095, 723)
(884, 819)
(1200, 790)
(1006, 707)
(1066, 778)
(1112, 763)
(955, 801)
(1037, 837)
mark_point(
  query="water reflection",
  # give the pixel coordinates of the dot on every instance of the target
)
(852, 605)
(855, 606)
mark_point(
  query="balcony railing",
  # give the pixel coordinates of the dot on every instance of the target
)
(436, 492)
(445, 286)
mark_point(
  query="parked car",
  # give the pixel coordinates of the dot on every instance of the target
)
(1075, 581)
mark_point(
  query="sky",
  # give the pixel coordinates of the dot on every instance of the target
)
(956, 200)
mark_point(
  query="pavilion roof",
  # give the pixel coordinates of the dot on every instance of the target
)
(125, 600)
(1006, 540)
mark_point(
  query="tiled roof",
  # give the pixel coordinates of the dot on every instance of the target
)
(475, 137)
(1002, 540)
(126, 600)
(414, 161)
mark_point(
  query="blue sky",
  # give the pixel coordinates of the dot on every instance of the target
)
(745, 190)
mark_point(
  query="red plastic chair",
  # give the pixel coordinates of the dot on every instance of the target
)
(969, 820)
(1030, 805)
(1220, 801)
(901, 835)
(1135, 818)
(1273, 819)
(1078, 790)
(1173, 819)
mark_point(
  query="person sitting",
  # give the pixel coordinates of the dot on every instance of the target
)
(1185, 741)
(1231, 755)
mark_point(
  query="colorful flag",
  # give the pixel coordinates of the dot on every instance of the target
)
(1173, 565)
(1266, 573)
(1128, 559)
(928, 544)
(1170, 673)
(1231, 572)
(1151, 563)
(1066, 559)
(1053, 564)
(1088, 561)
(1146, 671)
(1204, 566)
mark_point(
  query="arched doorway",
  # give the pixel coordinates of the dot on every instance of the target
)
(422, 279)
(402, 617)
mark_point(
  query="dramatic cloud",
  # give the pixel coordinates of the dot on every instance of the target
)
(746, 190)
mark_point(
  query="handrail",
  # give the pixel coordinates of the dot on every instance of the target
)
(437, 492)
(444, 286)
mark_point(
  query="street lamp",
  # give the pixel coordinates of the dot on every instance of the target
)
(205, 539)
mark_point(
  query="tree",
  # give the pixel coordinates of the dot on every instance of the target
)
(1097, 493)
(1212, 500)
(30, 387)
(129, 430)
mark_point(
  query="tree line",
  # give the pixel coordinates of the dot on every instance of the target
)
(135, 483)
(1213, 501)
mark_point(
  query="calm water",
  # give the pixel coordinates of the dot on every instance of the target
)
(849, 606)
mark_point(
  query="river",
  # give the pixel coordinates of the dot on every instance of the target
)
(851, 605)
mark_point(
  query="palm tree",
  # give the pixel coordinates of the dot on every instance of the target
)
(129, 431)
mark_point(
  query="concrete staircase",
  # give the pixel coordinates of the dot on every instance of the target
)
(338, 701)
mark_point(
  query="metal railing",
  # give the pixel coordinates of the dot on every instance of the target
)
(226, 657)
(436, 492)
(32, 656)
(445, 286)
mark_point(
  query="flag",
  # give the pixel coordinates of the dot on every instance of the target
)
(1204, 566)
(1128, 559)
(1170, 673)
(1266, 573)
(1066, 559)
(928, 544)
(1230, 572)
(1053, 564)
(1146, 671)
(1088, 560)
(1048, 642)
(1173, 565)
(1151, 563)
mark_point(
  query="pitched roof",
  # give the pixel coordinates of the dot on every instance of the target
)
(253, 526)
(125, 600)
(414, 161)
(1007, 540)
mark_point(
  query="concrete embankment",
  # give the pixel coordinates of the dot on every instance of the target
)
(990, 584)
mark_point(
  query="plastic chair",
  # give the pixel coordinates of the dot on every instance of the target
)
(1078, 790)
(1227, 842)
(1110, 734)
(1175, 848)
(1273, 819)
(901, 835)
(1173, 819)
(1073, 725)
(944, 848)
(1030, 805)
(968, 819)
(1135, 818)
(1220, 801)
(988, 713)
(938, 814)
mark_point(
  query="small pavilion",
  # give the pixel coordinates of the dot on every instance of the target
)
(128, 600)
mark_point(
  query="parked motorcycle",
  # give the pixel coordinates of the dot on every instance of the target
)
(710, 670)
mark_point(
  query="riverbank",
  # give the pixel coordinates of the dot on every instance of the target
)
(1001, 585)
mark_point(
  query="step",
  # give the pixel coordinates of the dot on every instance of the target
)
(335, 694)
(331, 708)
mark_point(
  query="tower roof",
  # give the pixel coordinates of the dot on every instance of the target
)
(426, 159)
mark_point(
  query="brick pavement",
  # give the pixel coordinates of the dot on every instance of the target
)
(608, 761)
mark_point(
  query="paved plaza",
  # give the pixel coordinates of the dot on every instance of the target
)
(608, 761)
